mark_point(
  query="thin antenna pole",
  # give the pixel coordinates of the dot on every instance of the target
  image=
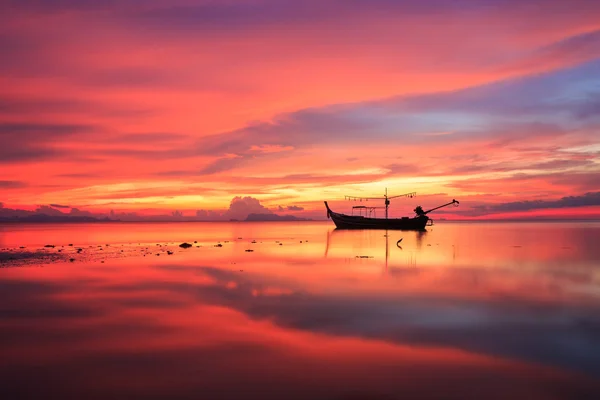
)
(387, 204)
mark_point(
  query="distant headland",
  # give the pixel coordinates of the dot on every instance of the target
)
(44, 218)
(273, 217)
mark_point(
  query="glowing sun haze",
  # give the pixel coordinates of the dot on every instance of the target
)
(162, 105)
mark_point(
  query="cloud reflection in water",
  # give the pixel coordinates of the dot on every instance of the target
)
(295, 324)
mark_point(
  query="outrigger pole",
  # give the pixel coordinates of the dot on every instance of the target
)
(419, 210)
(385, 197)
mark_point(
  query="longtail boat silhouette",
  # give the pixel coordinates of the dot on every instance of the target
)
(367, 219)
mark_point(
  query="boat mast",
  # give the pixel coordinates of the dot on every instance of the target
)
(385, 197)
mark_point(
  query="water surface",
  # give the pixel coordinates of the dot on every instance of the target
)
(479, 310)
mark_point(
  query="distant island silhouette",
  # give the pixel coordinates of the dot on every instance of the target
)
(273, 217)
(240, 209)
(45, 218)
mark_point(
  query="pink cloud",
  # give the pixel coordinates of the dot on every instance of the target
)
(284, 95)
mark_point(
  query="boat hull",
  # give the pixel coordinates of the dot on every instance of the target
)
(343, 221)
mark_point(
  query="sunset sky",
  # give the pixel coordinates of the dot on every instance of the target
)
(154, 106)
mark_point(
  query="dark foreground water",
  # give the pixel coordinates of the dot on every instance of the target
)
(466, 310)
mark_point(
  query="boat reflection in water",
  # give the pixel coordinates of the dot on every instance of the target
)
(456, 312)
(375, 244)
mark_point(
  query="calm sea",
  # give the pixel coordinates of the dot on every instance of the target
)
(299, 310)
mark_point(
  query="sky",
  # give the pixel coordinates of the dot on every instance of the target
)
(196, 108)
